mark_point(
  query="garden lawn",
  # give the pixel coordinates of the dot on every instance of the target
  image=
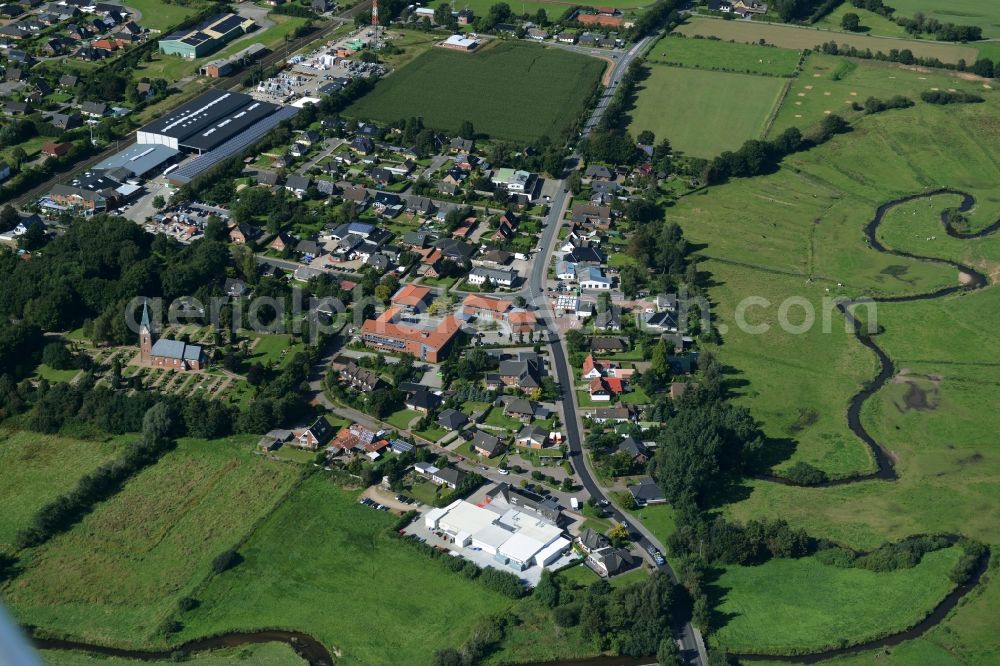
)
(38, 468)
(115, 576)
(786, 605)
(266, 654)
(326, 565)
(53, 375)
(694, 108)
(544, 90)
(162, 16)
(277, 350)
(724, 56)
(658, 519)
(795, 37)
(401, 418)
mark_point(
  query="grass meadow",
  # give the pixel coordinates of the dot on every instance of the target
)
(871, 22)
(266, 654)
(960, 12)
(324, 564)
(696, 110)
(796, 605)
(726, 56)
(513, 91)
(799, 233)
(38, 468)
(832, 84)
(794, 37)
(115, 576)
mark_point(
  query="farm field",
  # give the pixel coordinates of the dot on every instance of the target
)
(785, 605)
(793, 37)
(38, 468)
(267, 654)
(695, 109)
(117, 575)
(724, 56)
(323, 550)
(544, 90)
(833, 84)
(960, 12)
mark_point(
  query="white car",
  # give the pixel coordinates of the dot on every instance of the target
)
(503, 471)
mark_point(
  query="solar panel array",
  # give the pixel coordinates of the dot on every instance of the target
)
(236, 144)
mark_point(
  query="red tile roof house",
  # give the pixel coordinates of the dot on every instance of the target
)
(595, 369)
(486, 307)
(603, 389)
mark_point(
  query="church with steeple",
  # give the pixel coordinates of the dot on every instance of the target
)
(167, 354)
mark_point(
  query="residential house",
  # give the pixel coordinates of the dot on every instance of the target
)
(488, 308)
(452, 419)
(592, 369)
(609, 319)
(242, 233)
(362, 379)
(519, 408)
(532, 437)
(592, 278)
(316, 435)
(610, 561)
(598, 172)
(358, 194)
(298, 185)
(68, 81)
(522, 373)
(234, 287)
(610, 414)
(603, 389)
(422, 401)
(608, 345)
(460, 145)
(635, 450)
(486, 445)
(647, 492)
(94, 109)
(496, 276)
(591, 540)
(66, 121)
(522, 321)
(448, 476)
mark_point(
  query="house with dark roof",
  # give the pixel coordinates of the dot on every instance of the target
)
(647, 492)
(532, 437)
(634, 449)
(422, 401)
(610, 561)
(522, 373)
(609, 345)
(452, 419)
(316, 435)
(487, 445)
(591, 540)
(545, 507)
(360, 378)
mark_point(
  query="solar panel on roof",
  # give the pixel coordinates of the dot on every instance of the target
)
(227, 24)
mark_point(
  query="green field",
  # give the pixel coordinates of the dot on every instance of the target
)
(830, 84)
(788, 605)
(38, 468)
(799, 233)
(118, 574)
(323, 563)
(274, 350)
(543, 90)
(695, 109)
(872, 23)
(267, 654)
(794, 37)
(553, 8)
(162, 16)
(725, 56)
(960, 12)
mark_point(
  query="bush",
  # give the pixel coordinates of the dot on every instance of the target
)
(226, 560)
(504, 582)
(965, 568)
(566, 616)
(804, 474)
(187, 604)
(945, 97)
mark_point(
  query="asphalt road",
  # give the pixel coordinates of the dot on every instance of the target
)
(692, 647)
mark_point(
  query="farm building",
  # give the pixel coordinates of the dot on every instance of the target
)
(460, 43)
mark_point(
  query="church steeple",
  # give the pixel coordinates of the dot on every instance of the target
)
(145, 335)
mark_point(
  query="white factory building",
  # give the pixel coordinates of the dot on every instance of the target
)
(513, 538)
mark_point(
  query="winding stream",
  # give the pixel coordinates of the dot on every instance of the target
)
(316, 654)
(884, 467)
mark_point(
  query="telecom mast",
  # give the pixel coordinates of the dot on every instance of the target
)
(375, 22)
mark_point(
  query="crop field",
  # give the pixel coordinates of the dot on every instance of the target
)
(267, 654)
(786, 605)
(831, 84)
(115, 576)
(696, 111)
(799, 233)
(38, 468)
(794, 37)
(323, 563)
(724, 56)
(543, 90)
(960, 12)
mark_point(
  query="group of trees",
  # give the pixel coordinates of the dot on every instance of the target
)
(945, 97)
(631, 620)
(982, 67)
(67, 509)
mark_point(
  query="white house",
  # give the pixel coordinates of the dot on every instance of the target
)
(513, 180)
(499, 277)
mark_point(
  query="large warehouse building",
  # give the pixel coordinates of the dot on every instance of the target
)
(206, 122)
(208, 37)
